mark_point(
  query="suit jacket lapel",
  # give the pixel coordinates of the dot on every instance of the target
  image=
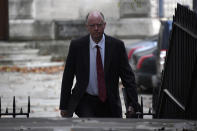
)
(107, 54)
(86, 55)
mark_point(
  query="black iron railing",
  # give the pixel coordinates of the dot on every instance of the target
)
(178, 91)
(14, 113)
(140, 112)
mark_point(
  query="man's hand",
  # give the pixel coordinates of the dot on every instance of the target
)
(65, 113)
(130, 112)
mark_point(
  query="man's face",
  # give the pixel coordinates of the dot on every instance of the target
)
(96, 27)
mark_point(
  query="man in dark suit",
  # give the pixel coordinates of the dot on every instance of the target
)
(96, 91)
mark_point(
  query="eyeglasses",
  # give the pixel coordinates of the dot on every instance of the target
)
(93, 25)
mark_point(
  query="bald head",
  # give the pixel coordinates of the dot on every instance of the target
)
(95, 24)
(95, 14)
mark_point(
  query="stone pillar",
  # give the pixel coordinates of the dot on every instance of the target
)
(138, 8)
(4, 26)
(138, 19)
(21, 9)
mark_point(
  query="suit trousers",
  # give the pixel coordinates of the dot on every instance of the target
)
(92, 106)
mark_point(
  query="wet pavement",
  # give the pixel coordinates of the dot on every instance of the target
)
(44, 91)
(95, 124)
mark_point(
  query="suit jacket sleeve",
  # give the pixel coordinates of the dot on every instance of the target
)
(128, 79)
(68, 76)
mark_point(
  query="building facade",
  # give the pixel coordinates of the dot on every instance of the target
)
(62, 19)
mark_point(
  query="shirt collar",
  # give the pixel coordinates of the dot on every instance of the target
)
(100, 43)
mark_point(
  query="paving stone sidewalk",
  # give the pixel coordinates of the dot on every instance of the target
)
(96, 124)
(43, 89)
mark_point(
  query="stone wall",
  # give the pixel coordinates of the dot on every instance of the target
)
(40, 19)
(138, 8)
(21, 9)
(170, 5)
(73, 9)
(31, 30)
(138, 19)
(49, 19)
(133, 28)
(70, 29)
(54, 20)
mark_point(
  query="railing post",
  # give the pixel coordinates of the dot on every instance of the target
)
(0, 107)
(4, 20)
(14, 112)
(161, 11)
(14, 107)
(29, 105)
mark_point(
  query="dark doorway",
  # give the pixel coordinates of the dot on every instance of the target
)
(4, 24)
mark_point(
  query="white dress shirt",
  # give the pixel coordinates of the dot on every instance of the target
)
(92, 88)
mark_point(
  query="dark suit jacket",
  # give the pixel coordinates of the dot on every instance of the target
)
(116, 65)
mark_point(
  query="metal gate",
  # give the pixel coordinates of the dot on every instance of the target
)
(14, 112)
(178, 91)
